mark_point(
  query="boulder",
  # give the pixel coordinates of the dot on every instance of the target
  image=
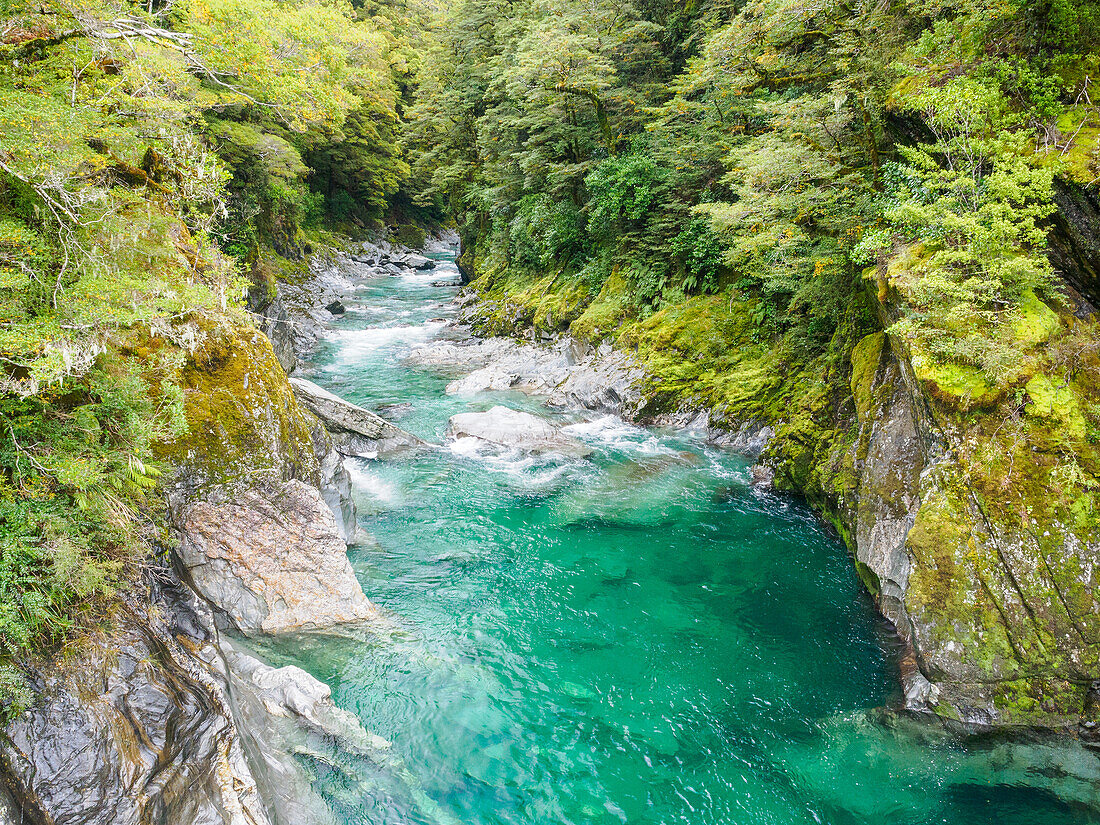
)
(567, 372)
(272, 560)
(505, 427)
(336, 307)
(419, 262)
(355, 431)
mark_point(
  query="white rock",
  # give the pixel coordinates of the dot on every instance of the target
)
(511, 428)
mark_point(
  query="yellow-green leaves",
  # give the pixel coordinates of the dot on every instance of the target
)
(306, 61)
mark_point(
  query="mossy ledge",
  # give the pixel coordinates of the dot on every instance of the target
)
(244, 423)
(971, 512)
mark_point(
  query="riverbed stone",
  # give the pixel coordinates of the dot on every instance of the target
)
(511, 428)
(567, 372)
(355, 431)
(272, 560)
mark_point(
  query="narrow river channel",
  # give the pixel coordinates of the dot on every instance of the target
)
(638, 637)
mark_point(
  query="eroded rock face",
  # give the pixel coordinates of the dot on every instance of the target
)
(163, 720)
(272, 560)
(136, 729)
(283, 713)
(1075, 240)
(997, 616)
(891, 454)
(519, 430)
(276, 324)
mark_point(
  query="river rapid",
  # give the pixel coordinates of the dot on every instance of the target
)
(637, 637)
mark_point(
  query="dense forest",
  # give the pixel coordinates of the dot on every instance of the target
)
(740, 191)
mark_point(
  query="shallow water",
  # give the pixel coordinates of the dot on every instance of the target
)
(636, 638)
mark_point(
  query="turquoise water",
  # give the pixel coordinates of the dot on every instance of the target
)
(636, 638)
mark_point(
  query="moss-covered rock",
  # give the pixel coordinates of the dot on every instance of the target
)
(244, 423)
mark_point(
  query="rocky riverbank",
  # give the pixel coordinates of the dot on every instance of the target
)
(989, 588)
(164, 717)
(985, 571)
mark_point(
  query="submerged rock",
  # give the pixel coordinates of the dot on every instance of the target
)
(511, 428)
(272, 560)
(355, 431)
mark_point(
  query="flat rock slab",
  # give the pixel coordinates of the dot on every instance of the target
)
(369, 432)
(273, 560)
(518, 430)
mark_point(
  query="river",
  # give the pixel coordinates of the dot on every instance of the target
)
(640, 637)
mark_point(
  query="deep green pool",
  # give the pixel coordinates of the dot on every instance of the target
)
(638, 638)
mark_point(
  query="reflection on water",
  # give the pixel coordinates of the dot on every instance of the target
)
(636, 638)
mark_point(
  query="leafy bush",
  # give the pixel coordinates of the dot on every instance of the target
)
(699, 252)
(976, 204)
(77, 471)
(545, 233)
(622, 190)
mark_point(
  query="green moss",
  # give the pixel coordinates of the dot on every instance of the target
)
(1081, 161)
(1036, 323)
(611, 308)
(1038, 701)
(869, 578)
(1057, 403)
(959, 387)
(244, 421)
(866, 357)
(702, 351)
(513, 301)
(938, 541)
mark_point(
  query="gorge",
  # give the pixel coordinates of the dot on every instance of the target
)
(521, 411)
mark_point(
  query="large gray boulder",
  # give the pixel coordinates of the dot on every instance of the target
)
(419, 262)
(355, 431)
(509, 428)
(272, 560)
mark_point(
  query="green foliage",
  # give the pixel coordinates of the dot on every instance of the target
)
(546, 233)
(785, 126)
(138, 144)
(978, 206)
(77, 473)
(699, 252)
(15, 692)
(411, 235)
(621, 191)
